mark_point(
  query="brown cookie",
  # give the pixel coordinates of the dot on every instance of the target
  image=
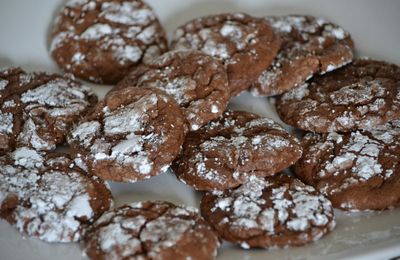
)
(102, 40)
(197, 82)
(38, 109)
(238, 145)
(356, 171)
(45, 195)
(152, 230)
(131, 135)
(246, 45)
(309, 46)
(278, 211)
(361, 95)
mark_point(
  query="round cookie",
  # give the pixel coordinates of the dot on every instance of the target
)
(361, 95)
(197, 82)
(356, 171)
(309, 46)
(102, 40)
(38, 109)
(245, 45)
(152, 230)
(45, 195)
(227, 151)
(131, 135)
(277, 211)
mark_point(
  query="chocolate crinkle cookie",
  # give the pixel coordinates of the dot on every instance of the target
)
(277, 211)
(38, 109)
(152, 230)
(101, 40)
(131, 135)
(356, 171)
(309, 46)
(361, 95)
(45, 195)
(197, 82)
(244, 44)
(227, 151)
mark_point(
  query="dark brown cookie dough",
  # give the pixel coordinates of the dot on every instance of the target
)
(278, 211)
(229, 150)
(102, 40)
(131, 135)
(246, 45)
(356, 171)
(309, 46)
(45, 195)
(197, 82)
(152, 230)
(38, 109)
(361, 95)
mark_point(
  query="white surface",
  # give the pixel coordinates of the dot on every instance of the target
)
(375, 27)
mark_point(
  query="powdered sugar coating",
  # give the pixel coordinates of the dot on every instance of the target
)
(124, 33)
(237, 40)
(198, 83)
(346, 166)
(120, 137)
(47, 197)
(40, 108)
(227, 151)
(310, 46)
(361, 95)
(155, 230)
(263, 212)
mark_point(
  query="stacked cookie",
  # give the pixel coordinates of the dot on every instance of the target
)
(352, 154)
(169, 109)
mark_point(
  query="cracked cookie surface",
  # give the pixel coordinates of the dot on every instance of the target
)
(227, 151)
(277, 211)
(38, 109)
(198, 83)
(310, 46)
(356, 171)
(47, 196)
(132, 134)
(152, 230)
(102, 40)
(245, 45)
(361, 95)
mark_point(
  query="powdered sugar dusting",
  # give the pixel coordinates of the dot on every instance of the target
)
(125, 121)
(6, 122)
(294, 206)
(49, 103)
(306, 40)
(212, 39)
(233, 151)
(3, 84)
(51, 201)
(124, 29)
(124, 231)
(359, 158)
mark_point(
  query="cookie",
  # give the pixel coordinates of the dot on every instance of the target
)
(227, 151)
(131, 135)
(102, 40)
(45, 195)
(245, 45)
(361, 95)
(310, 46)
(356, 171)
(197, 82)
(152, 230)
(38, 109)
(277, 211)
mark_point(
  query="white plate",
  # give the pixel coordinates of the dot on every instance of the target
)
(375, 27)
